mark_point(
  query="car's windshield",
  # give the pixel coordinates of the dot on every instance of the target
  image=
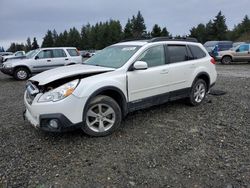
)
(31, 53)
(113, 56)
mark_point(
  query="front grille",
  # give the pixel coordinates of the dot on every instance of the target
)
(31, 92)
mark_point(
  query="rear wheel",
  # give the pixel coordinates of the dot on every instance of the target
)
(226, 60)
(102, 116)
(198, 92)
(21, 73)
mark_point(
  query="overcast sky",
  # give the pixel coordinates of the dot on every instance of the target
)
(20, 19)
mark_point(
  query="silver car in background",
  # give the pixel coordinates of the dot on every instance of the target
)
(40, 60)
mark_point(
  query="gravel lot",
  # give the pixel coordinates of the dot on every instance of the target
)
(171, 145)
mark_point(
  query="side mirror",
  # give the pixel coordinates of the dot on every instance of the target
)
(140, 65)
(36, 57)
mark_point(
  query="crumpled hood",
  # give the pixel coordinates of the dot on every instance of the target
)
(67, 71)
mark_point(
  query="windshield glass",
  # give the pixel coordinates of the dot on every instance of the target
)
(31, 53)
(113, 56)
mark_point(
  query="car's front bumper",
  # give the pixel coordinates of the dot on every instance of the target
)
(63, 123)
(5, 70)
(67, 113)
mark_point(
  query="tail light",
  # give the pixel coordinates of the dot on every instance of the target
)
(213, 61)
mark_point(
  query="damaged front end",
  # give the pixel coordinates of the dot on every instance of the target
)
(55, 90)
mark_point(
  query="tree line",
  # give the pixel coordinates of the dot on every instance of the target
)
(217, 29)
(102, 34)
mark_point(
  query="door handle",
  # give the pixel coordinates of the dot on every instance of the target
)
(48, 60)
(66, 59)
(164, 71)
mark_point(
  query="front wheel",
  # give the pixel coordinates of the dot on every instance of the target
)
(102, 116)
(198, 92)
(21, 73)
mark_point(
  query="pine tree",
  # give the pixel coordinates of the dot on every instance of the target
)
(164, 32)
(48, 40)
(55, 38)
(34, 44)
(128, 33)
(199, 33)
(209, 31)
(156, 32)
(138, 26)
(219, 27)
(28, 45)
(74, 38)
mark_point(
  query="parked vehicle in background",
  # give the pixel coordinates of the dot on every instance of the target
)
(5, 53)
(41, 60)
(2, 54)
(240, 53)
(17, 54)
(85, 54)
(236, 44)
(213, 47)
(122, 78)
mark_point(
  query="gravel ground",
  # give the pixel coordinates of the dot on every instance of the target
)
(171, 145)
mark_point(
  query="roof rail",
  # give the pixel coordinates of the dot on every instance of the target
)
(187, 39)
(135, 39)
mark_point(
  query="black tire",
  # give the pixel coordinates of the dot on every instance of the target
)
(226, 60)
(114, 116)
(21, 73)
(192, 100)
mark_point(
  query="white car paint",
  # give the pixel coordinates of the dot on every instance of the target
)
(135, 85)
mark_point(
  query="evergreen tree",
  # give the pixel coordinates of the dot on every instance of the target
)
(34, 44)
(28, 45)
(48, 40)
(164, 32)
(199, 33)
(241, 30)
(156, 32)
(219, 27)
(209, 31)
(115, 32)
(61, 40)
(74, 38)
(55, 38)
(128, 30)
(138, 26)
(16, 47)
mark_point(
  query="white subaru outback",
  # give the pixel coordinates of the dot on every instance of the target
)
(121, 78)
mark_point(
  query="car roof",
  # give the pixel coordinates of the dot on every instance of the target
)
(57, 48)
(144, 42)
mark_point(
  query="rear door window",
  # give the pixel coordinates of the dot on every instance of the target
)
(72, 52)
(57, 53)
(197, 52)
(178, 53)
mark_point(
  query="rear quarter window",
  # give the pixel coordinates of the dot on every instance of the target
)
(197, 52)
(72, 52)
